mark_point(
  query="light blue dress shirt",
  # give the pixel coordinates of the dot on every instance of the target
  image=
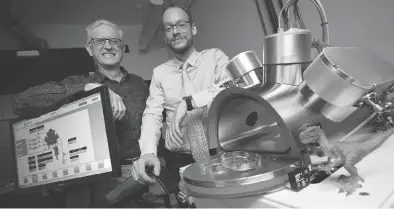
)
(206, 70)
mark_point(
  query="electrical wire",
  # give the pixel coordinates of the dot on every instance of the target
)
(297, 16)
(283, 15)
(296, 11)
(323, 18)
(284, 8)
(167, 201)
(162, 184)
(261, 17)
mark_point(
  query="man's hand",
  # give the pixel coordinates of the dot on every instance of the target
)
(176, 121)
(118, 107)
(138, 172)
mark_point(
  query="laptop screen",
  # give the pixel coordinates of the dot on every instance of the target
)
(66, 144)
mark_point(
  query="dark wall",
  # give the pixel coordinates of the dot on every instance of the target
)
(20, 73)
(147, 82)
(7, 171)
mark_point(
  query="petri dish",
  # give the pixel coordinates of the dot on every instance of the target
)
(240, 160)
(212, 167)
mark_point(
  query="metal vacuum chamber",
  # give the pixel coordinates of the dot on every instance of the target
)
(258, 128)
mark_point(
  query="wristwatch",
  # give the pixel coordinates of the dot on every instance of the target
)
(188, 100)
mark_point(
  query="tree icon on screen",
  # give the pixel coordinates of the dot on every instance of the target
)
(51, 140)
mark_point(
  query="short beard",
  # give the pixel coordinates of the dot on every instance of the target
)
(183, 50)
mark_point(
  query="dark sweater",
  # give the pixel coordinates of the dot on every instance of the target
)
(42, 99)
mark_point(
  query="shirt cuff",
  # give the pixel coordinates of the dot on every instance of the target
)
(148, 148)
(150, 133)
(203, 98)
(152, 151)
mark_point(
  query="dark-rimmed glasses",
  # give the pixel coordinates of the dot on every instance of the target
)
(180, 25)
(101, 41)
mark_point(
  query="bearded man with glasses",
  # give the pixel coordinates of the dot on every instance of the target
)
(184, 86)
(128, 92)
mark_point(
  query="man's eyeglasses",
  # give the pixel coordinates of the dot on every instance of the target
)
(101, 41)
(180, 25)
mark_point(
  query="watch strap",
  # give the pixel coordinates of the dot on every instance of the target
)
(188, 100)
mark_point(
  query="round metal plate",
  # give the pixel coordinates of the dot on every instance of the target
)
(208, 179)
(264, 187)
(214, 177)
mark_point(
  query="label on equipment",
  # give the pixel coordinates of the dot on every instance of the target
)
(299, 178)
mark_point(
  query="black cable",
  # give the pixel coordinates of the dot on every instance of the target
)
(166, 197)
(162, 185)
(261, 17)
(296, 10)
(272, 11)
(167, 201)
(297, 16)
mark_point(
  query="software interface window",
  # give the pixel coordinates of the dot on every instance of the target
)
(65, 144)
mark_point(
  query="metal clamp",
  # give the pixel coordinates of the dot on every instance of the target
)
(389, 91)
(372, 101)
(377, 108)
(185, 201)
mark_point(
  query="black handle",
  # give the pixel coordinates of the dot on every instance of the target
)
(149, 170)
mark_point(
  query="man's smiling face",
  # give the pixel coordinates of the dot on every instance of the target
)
(178, 31)
(106, 46)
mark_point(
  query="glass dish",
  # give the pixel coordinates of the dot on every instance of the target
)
(240, 160)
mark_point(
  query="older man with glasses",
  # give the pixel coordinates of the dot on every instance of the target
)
(128, 92)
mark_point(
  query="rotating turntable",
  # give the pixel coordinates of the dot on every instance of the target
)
(258, 150)
(210, 179)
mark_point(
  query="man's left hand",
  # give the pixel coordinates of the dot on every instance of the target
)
(177, 122)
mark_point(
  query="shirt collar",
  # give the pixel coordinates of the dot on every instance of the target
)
(100, 77)
(192, 60)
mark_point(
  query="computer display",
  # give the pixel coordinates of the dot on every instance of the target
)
(68, 144)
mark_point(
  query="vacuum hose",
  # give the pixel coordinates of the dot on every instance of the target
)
(272, 11)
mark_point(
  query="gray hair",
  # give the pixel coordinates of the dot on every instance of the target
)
(97, 23)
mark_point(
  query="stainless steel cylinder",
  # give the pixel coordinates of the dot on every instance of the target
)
(290, 47)
(286, 56)
(252, 78)
(341, 76)
(290, 74)
(329, 111)
(244, 67)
